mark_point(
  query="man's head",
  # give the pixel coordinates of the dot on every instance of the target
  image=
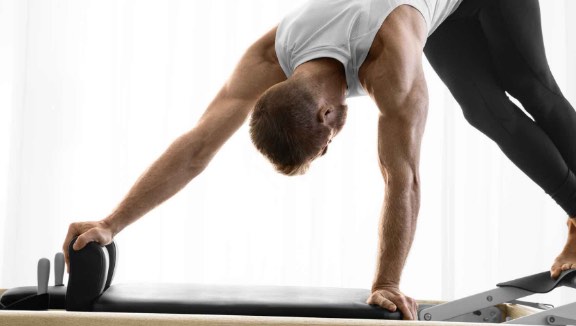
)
(292, 124)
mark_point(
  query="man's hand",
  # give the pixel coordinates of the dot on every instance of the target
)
(87, 232)
(391, 298)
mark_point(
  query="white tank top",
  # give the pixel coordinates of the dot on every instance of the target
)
(344, 30)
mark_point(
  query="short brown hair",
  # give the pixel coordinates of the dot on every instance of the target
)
(284, 127)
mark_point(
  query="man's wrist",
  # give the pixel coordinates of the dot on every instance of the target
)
(111, 223)
(385, 285)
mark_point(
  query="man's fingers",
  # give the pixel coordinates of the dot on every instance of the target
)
(83, 240)
(406, 309)
(394, 300)
(67, 261)
(92, 235)
(401, 304)
(409, 308)
(72, 232)
(380, 300)
(415, 309)
(385, 302)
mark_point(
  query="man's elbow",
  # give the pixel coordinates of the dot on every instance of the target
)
(199, 158)
(193, 152)
(407, 177)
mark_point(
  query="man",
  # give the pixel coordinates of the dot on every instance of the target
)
(295, 81)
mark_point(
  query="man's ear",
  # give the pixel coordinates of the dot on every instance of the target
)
(323, 114)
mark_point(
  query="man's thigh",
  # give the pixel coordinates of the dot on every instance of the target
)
(513, 32)
(458, 52)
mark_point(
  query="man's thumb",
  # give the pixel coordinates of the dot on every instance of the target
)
(80, 243)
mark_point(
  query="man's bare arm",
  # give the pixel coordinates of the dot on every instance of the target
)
(396, 82)
(190, 153)
(399, 139)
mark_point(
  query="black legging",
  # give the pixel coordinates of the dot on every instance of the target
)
(489, 47)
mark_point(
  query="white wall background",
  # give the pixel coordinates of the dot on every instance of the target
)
(91, 92)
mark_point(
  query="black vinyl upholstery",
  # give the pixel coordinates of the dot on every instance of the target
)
(92, 268)
(241, 300)
(57, 295)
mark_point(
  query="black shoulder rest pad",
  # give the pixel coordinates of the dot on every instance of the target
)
(91, 271)
(542, 282)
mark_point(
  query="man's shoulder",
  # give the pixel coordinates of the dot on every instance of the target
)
(403, 24)
(402, 34)
(263, 50)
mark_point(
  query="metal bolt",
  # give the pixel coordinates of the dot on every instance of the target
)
(551, 320)
(493, 313)
(489, 298)
(427, 316)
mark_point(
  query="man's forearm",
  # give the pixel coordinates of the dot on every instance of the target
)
(175, 168)
(397, 228)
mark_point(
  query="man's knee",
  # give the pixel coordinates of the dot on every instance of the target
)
(538, 98)
(478, 117)
(491, 113)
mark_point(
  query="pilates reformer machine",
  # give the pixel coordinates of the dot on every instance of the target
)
(90, 289)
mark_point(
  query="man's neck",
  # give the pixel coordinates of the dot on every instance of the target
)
(329, 77)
